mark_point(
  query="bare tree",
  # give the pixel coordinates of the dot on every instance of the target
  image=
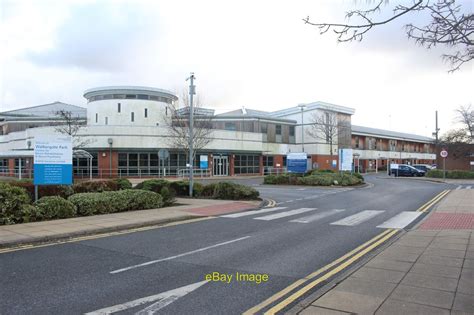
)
(324, 126)
(178, 125)
(465, 116)
(70, 125)
(449, 26)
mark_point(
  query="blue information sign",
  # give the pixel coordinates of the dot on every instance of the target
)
(53, 160)
(203, 162)
(296, 162)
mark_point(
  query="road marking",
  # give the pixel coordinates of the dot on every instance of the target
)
(431, 202)
(301, 189)
(468, 187)
(358, 218)
(246, 213)
(328, 275)
(317, 216)
(177, 256)
(400, 220)
(459, 187)
(163, 299)
(297, 283)
(284, 214)
(290, 201)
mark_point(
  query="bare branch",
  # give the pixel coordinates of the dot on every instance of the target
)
(449, 27)
(70, 125)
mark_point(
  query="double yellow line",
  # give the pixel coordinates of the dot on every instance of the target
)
(430, 203)
(344, 262)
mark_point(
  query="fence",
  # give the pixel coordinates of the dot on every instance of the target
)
(197, 172)
(270, 170)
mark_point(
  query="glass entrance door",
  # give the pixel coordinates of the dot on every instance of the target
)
(221, 166)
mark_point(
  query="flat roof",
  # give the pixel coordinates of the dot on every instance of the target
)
(128, 89)
(381, 133)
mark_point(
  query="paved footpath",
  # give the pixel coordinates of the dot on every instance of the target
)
(35, 232)
(429, 270)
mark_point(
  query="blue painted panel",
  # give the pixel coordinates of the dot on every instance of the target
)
(52, 174)
(296, 166)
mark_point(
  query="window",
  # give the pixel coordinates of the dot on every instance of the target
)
(142, 97)
(356, 142)
(146, 112)
(106, 120)
(130, 96)
(96, 117)
(230, 126)
(278, 133)
(246, 164)
(133, 117)
(292, 134)
(119, 107)
(263, 128)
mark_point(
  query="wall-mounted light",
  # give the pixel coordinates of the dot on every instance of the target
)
(104, 154)
(110, 141)
(28, 143)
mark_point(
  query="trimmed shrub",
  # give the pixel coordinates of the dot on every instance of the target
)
(92, 203)
(208, 190)
(359, 176)
(95, 186)
(456, 174)
(30, 213)
(181, 188)
(168, 196)
(276, 180)
(13, 202)
(115, 201)
(233, 191)
(123, 183)
(54, 207)
(44, 190)
(328, 179)
(153, 185)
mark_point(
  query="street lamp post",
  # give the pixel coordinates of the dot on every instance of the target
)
(302, 107)
(191, 122)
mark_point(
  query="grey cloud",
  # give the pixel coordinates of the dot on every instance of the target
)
(104, 36)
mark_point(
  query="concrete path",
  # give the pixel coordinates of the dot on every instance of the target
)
(12, 235)
(429, 270)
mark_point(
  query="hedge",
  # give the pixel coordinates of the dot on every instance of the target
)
(456, 174)
(326, 178)
(14, 204)
(115, 201)
(54, 207)
(96, 186)
(177, 188)
(123, 183)
(229, 191)
(43, 190)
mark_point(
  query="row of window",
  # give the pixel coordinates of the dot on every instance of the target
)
(132, 115)
(130, 97)
(246, 164)
(377, 144)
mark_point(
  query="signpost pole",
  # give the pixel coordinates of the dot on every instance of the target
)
(444, 168)
(36, 192)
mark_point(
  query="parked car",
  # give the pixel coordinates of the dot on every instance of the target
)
(405, 170)
(423, 167)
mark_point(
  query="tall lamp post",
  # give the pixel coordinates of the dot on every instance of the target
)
(302, 107)
(191, 123)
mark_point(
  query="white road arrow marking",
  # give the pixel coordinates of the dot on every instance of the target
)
(163, 299)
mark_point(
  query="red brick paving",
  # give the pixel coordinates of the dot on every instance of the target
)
(447, 221)
(221, 209)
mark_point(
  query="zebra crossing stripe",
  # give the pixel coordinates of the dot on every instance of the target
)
(246, 213)
(468, 187)
(284, 214)
(459, 187)
(317, 216)
(400, 220)
(358, 218)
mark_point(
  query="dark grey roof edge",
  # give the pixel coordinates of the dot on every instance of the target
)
(35, 106)
(389, 133)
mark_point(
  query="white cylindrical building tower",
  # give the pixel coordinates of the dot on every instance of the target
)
(128, 105)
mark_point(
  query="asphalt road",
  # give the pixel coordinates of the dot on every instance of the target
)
(87, 276)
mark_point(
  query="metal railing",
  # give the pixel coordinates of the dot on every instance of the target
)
(270, 170)
(201, 172)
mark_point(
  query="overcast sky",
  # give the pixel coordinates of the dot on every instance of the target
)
(257, 54)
